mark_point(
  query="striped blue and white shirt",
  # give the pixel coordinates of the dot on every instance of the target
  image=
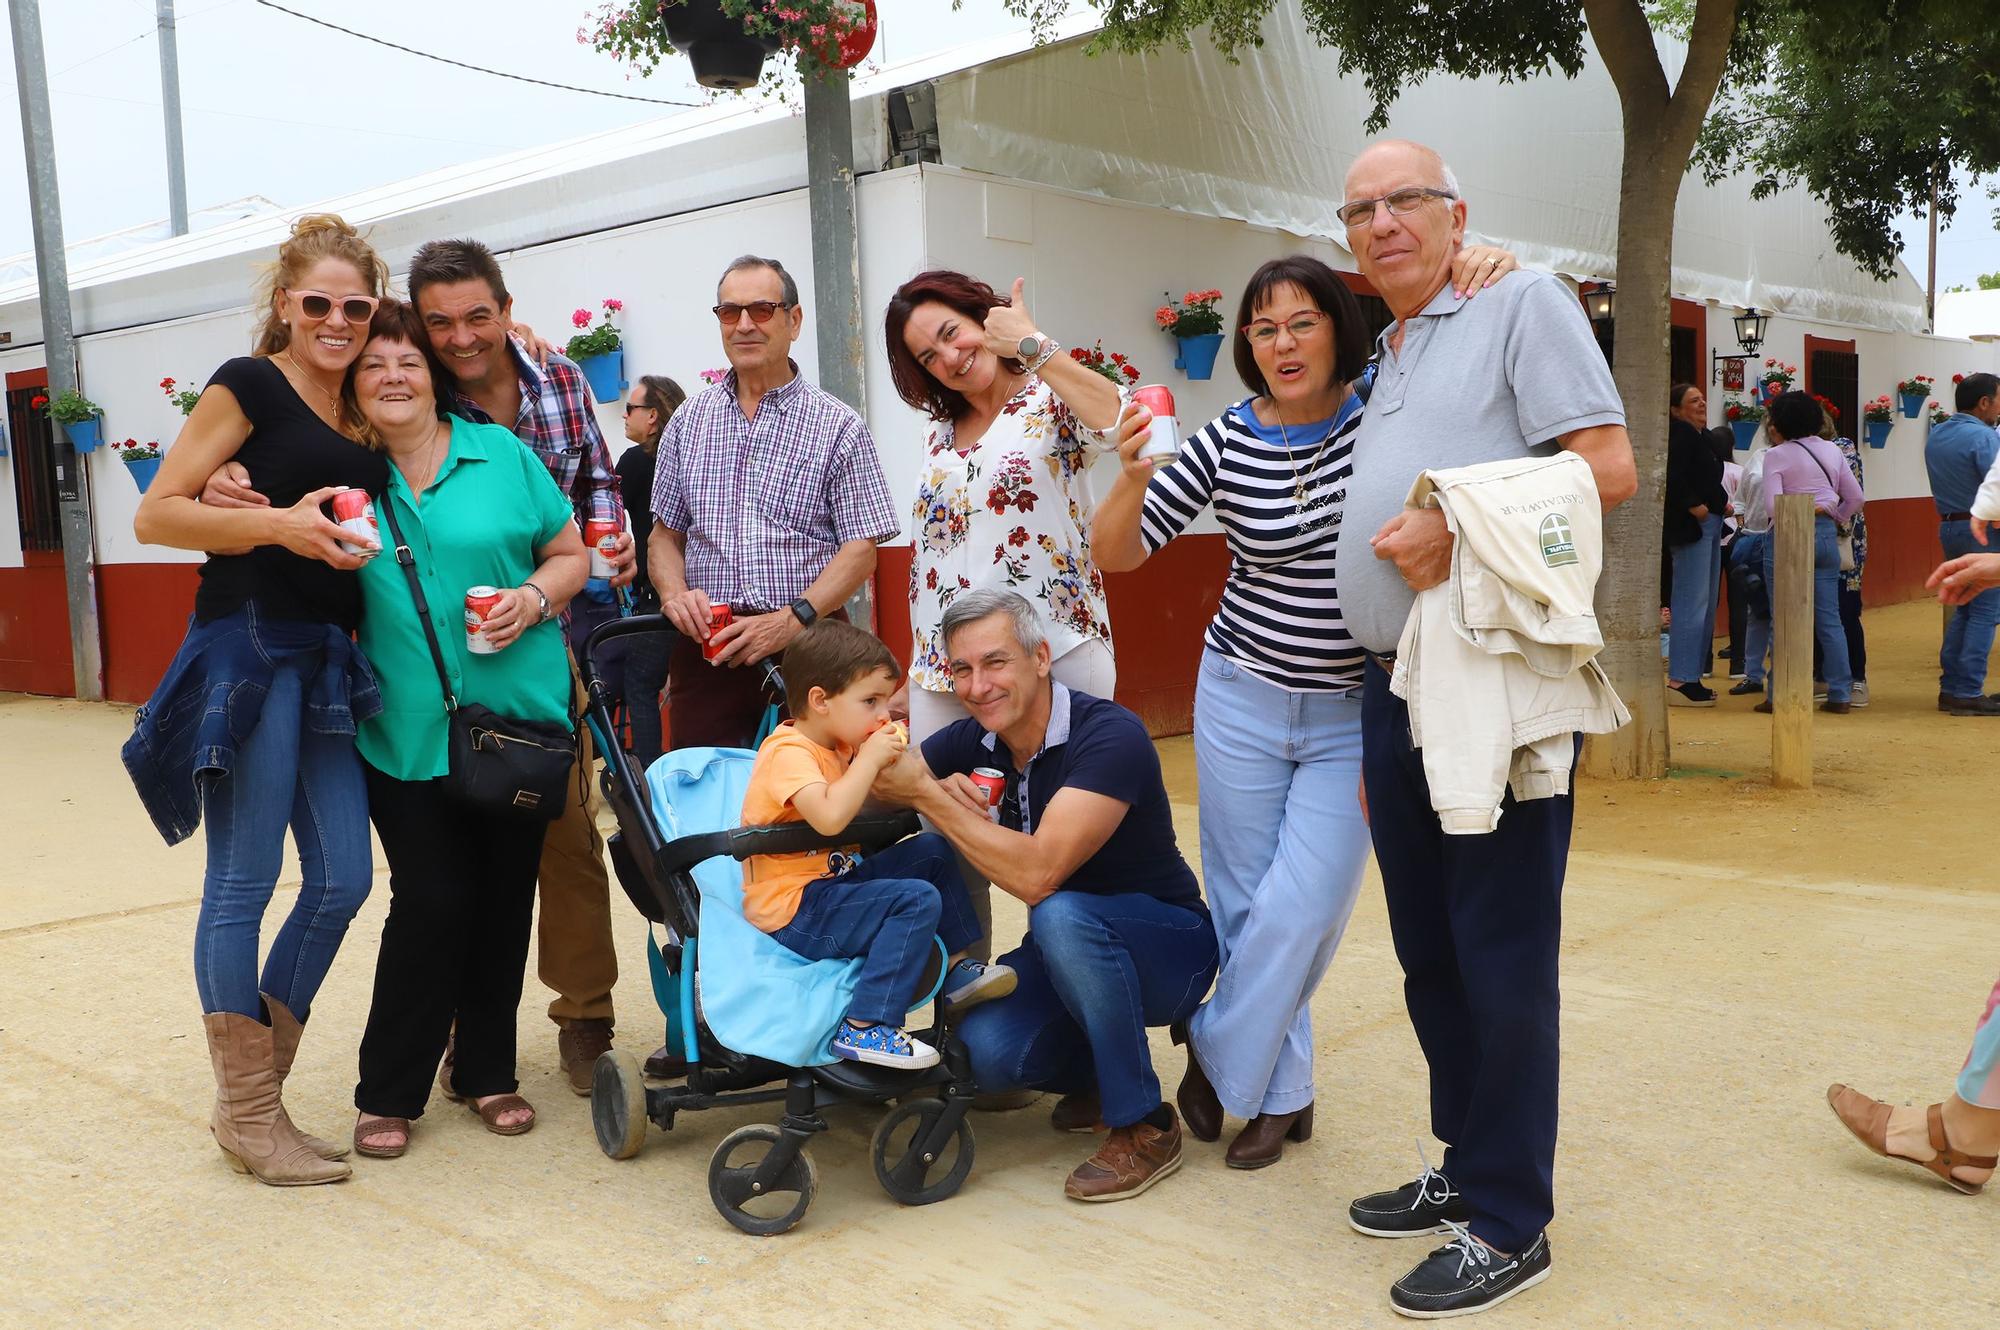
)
(1280, 612)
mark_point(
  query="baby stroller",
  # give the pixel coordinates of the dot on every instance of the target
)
(752, 1020)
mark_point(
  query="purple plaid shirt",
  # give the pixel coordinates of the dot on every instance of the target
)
(765, 504)
(559, 424)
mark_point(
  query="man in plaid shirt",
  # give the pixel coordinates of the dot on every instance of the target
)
(768, 498)
(457, 287)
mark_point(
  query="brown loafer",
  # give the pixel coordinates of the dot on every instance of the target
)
(1079, 1112)
(490, 1111)
(1261, 1143)
(381, 1127)
(1868, 1119)
(1200, 1109)
(1130, 1160)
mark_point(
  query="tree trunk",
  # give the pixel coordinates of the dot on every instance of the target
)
(1660, 126)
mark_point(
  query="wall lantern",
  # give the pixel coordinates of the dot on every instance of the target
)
(1750, 326)
(1598, 302)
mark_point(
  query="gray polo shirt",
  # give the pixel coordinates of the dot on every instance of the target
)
(1502, 375)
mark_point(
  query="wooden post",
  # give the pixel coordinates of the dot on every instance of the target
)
(1792, 531)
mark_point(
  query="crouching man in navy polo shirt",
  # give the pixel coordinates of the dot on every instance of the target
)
(1118, 936)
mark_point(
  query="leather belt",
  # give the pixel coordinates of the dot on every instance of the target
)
(1955, 517)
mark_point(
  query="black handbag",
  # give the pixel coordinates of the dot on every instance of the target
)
(498, 764)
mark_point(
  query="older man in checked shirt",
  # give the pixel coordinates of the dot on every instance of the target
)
(768, 497)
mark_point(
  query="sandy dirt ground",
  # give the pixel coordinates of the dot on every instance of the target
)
(1729, 950)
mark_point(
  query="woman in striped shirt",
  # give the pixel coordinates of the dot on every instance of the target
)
(1277, 721)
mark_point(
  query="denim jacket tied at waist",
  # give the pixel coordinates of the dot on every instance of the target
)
(186, 736)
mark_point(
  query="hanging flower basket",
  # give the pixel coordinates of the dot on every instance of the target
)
(1197, 355)
(600, 352)
(1876, 432)
(141, 459)
(1914, 392)
(1745, 419)
(1195, 324)
(82, 419)
(1878, 417)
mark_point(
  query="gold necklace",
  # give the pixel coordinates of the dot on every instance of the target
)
(332, 398)
(430, 472)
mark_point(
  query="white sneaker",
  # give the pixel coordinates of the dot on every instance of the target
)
(1859, 698)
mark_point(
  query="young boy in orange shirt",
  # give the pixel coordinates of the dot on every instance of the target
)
(818, 767)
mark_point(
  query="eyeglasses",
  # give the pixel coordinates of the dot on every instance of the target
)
(318, 304)
(1263, 332)
(630, 407)
(760, 311)
(1010, 803)
(1401, 204)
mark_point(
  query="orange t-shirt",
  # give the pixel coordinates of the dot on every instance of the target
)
(786, 764)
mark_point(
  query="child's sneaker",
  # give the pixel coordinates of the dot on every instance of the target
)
(883, 1046)
(972, 982)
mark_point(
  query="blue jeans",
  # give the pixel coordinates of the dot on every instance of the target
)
(1830, 633)
(886, 909)
(1094, 972)
(1968, 638)
(1283, 845)
(1691, 636)
(285, 773)
(1477, 923)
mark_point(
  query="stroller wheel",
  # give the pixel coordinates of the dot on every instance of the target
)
(618, 1104)
(913, 1167)
(776, 1208)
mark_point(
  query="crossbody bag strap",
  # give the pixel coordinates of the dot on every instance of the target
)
(1847, 528)
(408, 563)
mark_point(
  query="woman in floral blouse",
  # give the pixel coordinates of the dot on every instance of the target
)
(1001, 495)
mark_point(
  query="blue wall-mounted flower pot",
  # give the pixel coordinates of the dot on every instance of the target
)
(1745, 431)
(606, 375)
(1913, 403)
(1197, 355)
(85, 435)
(143, 471)
(1877, 431)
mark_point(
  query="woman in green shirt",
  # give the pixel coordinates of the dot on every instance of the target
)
(478, 508)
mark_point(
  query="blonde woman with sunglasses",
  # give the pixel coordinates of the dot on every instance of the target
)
(253, 725)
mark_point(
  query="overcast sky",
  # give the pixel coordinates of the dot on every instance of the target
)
(276, 106)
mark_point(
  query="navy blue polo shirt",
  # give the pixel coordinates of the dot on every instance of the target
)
(1096, 745)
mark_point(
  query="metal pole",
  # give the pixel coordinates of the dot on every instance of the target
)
(1930, 279)
(52, 278)
(836, 256)
(170, 104)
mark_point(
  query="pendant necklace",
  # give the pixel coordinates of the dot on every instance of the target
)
(332, 399)
(1301, 480)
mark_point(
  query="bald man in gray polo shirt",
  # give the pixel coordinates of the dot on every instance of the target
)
(1476, 919)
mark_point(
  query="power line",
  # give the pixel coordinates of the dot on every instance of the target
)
(477, 69)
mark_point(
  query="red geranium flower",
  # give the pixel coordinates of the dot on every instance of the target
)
(581, 318)
(39, 402)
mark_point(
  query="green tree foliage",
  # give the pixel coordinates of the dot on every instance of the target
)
(1867, 104)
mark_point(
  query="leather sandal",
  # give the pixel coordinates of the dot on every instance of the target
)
(381, 1127)
(445, 1067)
(1868, 1119)
(490, 1111)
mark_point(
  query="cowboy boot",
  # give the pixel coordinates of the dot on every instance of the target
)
(286, 1031)
(248, 1124)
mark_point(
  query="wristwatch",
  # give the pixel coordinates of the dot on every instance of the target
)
(807, 615)
(541, 596)
(1035, 350)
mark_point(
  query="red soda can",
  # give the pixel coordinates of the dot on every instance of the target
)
(719, 618)
(602, 538)
(1163, 440)
(479, 603)
(994, 782)
(354, 513)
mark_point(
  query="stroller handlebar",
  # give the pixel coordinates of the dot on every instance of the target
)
(870, 831)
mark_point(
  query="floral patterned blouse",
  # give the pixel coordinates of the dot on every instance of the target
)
(1013, 513)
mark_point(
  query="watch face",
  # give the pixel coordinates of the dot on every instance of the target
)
(1030, 347)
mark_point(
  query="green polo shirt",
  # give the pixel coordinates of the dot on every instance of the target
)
(491, 507)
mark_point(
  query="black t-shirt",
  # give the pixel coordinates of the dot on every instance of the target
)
(635, 485)
(1096, 745)
(290, 453)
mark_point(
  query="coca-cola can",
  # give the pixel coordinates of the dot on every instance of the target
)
(479, 603)
(994, 782)
(602, 538)
(1163, 438)
(354, 513)
(719, 618)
